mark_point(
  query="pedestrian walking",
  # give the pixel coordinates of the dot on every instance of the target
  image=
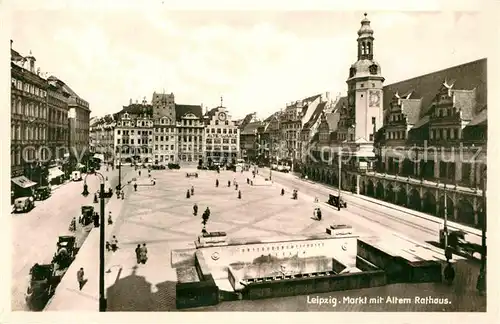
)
(135, 186)
(114, 244)
(195, 209)
(229, 183)
(80, 276)
(138, 253)
(123, 195)
(187, 194)
(110, 220)
(95, 198)
(192, 190)
(139, 173)
(143, 251)
(217, 183)
(239, 194)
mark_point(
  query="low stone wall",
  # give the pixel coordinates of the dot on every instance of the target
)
(314, 285)
(398, 269)
(197, 294)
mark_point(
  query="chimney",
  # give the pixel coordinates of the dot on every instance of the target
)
(130, 101)
(327, 96)
(11, 41)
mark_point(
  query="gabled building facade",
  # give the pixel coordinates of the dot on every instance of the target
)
(222, 137)
(190, 133)
(134, 134)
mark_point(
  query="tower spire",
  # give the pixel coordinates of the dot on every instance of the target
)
(221, 101)
(365, 40)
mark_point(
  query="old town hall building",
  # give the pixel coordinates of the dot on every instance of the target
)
(416, 143)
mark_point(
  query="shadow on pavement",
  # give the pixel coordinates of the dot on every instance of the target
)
(134, 293)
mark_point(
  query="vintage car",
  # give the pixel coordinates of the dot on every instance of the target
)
(76, 176)
(335, 200)
(24, 204)
(66, 251)
(41, 286)
(42, 193)
(87, 216)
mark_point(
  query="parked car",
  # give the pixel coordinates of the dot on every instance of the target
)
(42, 193)
(174, 166)
(24, 204)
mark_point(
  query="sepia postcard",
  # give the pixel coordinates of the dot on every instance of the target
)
(199, 158)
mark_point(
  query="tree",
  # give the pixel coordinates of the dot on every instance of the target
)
(205, 217)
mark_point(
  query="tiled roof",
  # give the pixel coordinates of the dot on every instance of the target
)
(480, 119)
(466, 77)
(137, 109)
(15, 56)
(411, 108)
(304, 109)
(315, 115)
(465, 102)
(181, 110)
(250, 128)
(209, 114)
(424, 120)
(312, 98)
(246, 120)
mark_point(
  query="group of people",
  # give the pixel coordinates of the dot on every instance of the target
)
(141, 253)
(112, 245)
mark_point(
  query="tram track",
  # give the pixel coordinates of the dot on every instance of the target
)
(381, 215)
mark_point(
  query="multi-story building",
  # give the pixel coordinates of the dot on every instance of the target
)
(29, 123)
(222, 136)
(249, 138)
(294, 117)
(79, 117)
(102, 132)
(416, 143)
(58, 130)
(165, 144)
(133, 135)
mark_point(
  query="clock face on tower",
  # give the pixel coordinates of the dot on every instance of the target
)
(374, 98)
(222, 116)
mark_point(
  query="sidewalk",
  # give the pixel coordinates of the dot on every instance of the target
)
(67, 296)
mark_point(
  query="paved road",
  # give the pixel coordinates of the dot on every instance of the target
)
(365, 212)
(34, 234)
(161, 216)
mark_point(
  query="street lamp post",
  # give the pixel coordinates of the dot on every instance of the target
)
(481, 280)
(102, 299)
(340, 175)
(445, 225)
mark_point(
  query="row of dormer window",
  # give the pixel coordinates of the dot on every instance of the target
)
(395, 135)
(444, 134)
(29, 88)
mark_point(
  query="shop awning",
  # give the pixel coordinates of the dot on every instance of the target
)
(54, 173)
(23, 182)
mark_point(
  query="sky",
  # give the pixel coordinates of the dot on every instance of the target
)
(257, 60)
